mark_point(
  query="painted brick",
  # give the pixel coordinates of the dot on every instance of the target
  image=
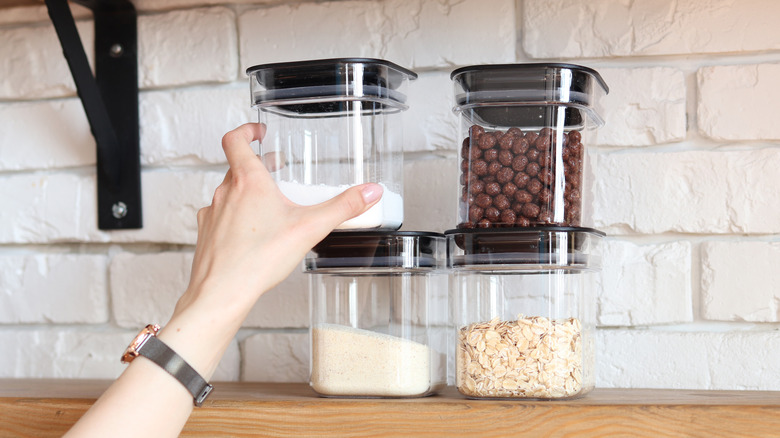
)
(37, 14)
(431, 194)
(46, 208)
(229, 368)
(739, 102)
(76, 353)
(691, 191)
(137, 299)
(186, 126)
(170, 204)
(31, 62)
(45, 135)
(285, 306)
(644, 284)
(176, 127)
(156, 5)
(645, 106)
(429, 124)
(739, 281)
(688, 360)
(187, 46)
(63, 353)
(276, 357)
(62, 207)
(455, 33)
(53, 288)
(146, 287)
(601, 28)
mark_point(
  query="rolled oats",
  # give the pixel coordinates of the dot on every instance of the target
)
(532, 357)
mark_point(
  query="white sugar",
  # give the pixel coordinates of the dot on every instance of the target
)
(387, 213)
(353, 362)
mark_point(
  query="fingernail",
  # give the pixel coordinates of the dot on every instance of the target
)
(371, 192)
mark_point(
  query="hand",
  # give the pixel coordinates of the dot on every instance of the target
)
(252, 237)
(249, 240)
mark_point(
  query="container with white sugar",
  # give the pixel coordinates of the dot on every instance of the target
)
(333, 124)
(378, 314)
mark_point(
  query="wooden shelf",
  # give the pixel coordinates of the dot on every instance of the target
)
(44, 408)
(16, 3)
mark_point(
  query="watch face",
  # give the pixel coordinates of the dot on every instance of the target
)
(132, 350)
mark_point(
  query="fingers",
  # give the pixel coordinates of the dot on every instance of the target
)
(350, 203)
(236, 144)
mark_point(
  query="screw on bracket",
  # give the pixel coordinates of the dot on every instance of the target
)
(119, 210)
(116, 50)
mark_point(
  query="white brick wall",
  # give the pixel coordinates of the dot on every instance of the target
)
(688, 191)
(645, 284)
(65, 142)
(455, 33)
(32, 65)
(185, 47)
(646, 107)
(735, 102)
(53, 288)
(603, 28)
(278, 357)
(688, 359)
(734, 281)
(683, 175)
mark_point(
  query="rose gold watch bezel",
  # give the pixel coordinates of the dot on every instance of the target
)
(132, 350)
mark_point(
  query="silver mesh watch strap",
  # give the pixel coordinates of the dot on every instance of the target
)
(159, 353)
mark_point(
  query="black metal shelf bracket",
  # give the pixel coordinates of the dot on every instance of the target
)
(110, 100)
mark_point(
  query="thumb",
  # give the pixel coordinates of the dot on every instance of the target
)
(350, 203)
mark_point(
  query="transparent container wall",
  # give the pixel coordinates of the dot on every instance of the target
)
(378, 335)
(521, 148)
(379, 314)
(333, 124)
(524, 334)
(315, 159)
(523, 308)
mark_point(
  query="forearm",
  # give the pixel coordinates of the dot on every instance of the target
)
(249, 240)
(146, 400)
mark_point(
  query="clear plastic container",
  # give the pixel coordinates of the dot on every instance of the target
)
(522, 151)
(523, 309)
(379, 305)
(332, 124)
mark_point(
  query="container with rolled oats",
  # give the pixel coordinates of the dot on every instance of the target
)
(523, 311)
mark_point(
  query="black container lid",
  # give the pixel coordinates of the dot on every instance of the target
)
(529, 76)
(380, 250)
(542, 247)
(522, 94)
(323, 86)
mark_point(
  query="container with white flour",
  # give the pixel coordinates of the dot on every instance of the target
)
(379, 314)
(332, 124)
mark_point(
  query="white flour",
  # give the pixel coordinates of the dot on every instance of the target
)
(349, 361)
(387, 213)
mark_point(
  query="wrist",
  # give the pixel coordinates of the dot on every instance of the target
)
(200, 337)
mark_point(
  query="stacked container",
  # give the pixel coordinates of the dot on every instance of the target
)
(379, 314)
(523, 268)
(524, 310)
(520, 264)
(332, 124)
(378, 296)
(522, 151)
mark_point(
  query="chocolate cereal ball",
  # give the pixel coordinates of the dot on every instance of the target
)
(508, 178)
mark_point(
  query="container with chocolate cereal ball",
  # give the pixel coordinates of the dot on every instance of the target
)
(522, 127)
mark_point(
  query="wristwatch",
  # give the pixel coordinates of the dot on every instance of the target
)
(147, 344)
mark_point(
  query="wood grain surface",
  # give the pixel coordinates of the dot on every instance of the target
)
(16, 3)
(44, 408)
